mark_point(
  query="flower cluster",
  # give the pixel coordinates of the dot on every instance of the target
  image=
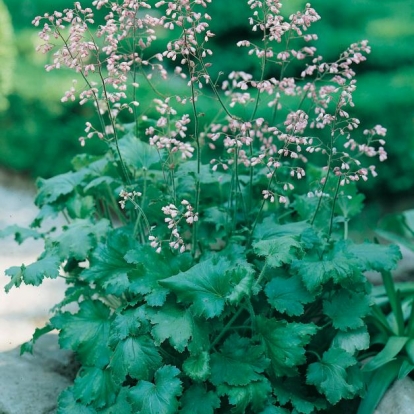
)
(128, 196)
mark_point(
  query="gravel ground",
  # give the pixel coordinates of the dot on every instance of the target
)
(25, 308)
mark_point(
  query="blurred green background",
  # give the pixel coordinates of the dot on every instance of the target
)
(39, 134)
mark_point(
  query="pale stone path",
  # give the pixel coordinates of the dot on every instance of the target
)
(24, 308)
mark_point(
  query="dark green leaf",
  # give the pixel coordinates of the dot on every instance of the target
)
(95, 386)
(288, 295)
(330, 376)
(255, 394)
(347, 309)
(197, 400)
(197, 366)
(67, 404)
(336, 266)
(173, 323)
(137, 357)
(159, 397)
(86, 332)
(121, 406)
(206, 285)
(285, 343)
(108, 268)
(239, 362)
(127, 323)
(375, 256)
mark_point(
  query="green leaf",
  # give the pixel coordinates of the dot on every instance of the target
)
(16, 274)
(121, 406)
(393, 346)
(46, 266)
(255, 394)
(278, 251)
(352, 340)
(238, 362)
(80, 206)
(330, 376)
(375, 256)
(95, 386)
(288, 295)
(347, 309)
(206, 285)
(138, 154)
(150, 269)
(285, 343)
(274, 410)
(159, 397)
(197, 400)
(197, 366)
(67, 403)
(108, 269)
(28, 346)
(45, 212)
(406, 368)
(242, 277)
(173, 323)
(335, 265)
(79, 238)
(128, 323)
(291, 390)
(137, 357)
(52, 189)
(86, 332)
(20, 233)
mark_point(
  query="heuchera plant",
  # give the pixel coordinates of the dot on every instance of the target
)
(207, 252)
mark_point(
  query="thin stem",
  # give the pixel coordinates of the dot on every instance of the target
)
(333, 207)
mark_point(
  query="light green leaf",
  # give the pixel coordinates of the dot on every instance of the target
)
(239, 362)
(206, 285)
(285, 343)
(393, 346)
(352, 340)
(138, 154)
(347, 309)
(254, 394)
(330, 376)
(46, 266)
(278, 251)
(79, 238)
(86, 332)
(242, 277)
(52, 189)
(137, 357)
(95, 386)
(288, 295)
(16, 274)
(197, 366)
(197, 400)
(159, 397)
(20, 233)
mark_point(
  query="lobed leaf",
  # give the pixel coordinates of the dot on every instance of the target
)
(197, 400)
(159, 397)
(239, 362)
(206, 285)
(284, 343)
(352, 340)
(86, 332)
(330, 375)
(288, 295)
